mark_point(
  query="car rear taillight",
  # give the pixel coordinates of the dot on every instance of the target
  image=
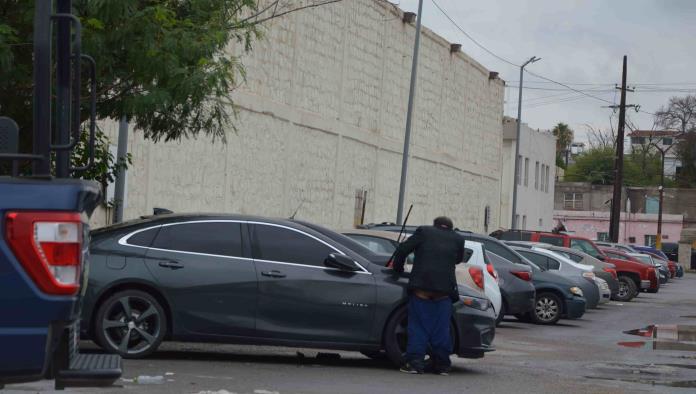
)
(477, 275)
(49, 247)
(492, 271)
(524, 275)
(612, 272)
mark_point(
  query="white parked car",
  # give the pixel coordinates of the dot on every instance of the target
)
(490, 277)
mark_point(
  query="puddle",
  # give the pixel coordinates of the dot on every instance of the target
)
(670, 375)
(676, 332)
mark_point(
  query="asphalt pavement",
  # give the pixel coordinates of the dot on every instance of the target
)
(589, 355)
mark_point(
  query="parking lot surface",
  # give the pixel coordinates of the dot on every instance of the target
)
(590, 355)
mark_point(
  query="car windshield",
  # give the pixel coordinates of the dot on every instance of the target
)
(644, 258)
(585, 246)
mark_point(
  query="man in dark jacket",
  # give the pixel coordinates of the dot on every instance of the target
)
(432, 287)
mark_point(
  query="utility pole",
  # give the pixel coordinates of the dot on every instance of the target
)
(658, 237)
(615, 217)
(409, 115)
(517, 144)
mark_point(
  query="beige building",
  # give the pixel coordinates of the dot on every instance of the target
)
(322, 116)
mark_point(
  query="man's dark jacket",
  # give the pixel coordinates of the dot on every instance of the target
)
(437, 251)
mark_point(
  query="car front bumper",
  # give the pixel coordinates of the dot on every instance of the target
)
(574, 307)
(475, 331)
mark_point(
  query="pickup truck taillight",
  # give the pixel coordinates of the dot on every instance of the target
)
(48, 245)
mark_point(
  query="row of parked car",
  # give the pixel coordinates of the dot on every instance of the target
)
(255, 280)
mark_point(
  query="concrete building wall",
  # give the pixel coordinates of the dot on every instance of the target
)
(322, 113)
(534, 203)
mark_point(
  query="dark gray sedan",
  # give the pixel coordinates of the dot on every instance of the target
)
(252, 280)
(516, 287)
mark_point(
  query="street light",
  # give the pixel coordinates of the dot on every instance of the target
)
(409, 115)
(533, 59)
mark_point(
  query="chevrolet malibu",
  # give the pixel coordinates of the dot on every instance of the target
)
(252, 280)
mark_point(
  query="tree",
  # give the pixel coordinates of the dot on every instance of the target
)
(601, 139)
(679, 114)
(162, 64)
(596, 166)
(564, 137)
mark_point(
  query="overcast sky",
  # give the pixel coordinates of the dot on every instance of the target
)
(581, 42)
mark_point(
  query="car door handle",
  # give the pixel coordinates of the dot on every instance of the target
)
(273, 274)
(171, 264)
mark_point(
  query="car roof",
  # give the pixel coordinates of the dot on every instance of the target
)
(390, 235)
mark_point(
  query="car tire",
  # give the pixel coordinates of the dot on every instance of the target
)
(548, 308)
(627, 289)
(396, 336)
(130, 323)
(501, 314)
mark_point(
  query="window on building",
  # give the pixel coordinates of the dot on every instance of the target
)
(536, 176)
(631, 240)
(603, 237)
(637, 140)
(546, 188)
(518, 175)
(572, 201)
(667, 141)
(650, 239)
(524, 222)
(542, 176)
(526, 172)
(652, 205)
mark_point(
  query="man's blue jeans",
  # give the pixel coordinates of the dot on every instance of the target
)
(429, 332)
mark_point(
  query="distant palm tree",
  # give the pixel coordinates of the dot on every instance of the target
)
(564, 137)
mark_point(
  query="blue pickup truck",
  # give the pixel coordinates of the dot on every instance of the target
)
(44, 212)
(44, 263)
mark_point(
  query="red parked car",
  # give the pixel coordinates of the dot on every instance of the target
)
(649, 276)
(633, 276)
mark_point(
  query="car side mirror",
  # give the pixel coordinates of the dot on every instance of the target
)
(467, 254)
(341, 262)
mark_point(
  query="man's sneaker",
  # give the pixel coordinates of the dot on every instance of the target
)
(408, 368)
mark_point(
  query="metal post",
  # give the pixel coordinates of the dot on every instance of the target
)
(122, 153)
(42, 88)
(517, 144)
(658, 237)
(615, 217)
(409, 115)
(63, 93)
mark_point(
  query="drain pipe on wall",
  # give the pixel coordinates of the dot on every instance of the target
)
(121, 157)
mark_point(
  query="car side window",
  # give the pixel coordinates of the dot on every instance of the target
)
(500, 251)
(553, 264)
(219, 238)
(143, 238)
(377, 245)
(284, 245)
(574, 257)
(536, 258)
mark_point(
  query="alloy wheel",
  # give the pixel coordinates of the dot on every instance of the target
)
(131, 324)
(546, 309)
(623, 289)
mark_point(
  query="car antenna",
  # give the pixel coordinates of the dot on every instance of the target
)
(398, 239)
(292, 217)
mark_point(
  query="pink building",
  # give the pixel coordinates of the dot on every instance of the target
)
(636, 228)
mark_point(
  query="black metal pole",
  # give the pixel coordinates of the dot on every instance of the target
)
(63, 92)
(658, 238)
(615, 218)
(42, 87)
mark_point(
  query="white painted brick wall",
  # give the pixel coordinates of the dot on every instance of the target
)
(322, 113)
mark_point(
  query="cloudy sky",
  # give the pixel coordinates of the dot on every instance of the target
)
(581, 43)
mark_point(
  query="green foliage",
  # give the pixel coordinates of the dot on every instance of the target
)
(105, 165)
(161, 63)
(597, 167)
(564, 137)
(560, 162)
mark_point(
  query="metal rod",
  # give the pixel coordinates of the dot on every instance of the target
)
(658, 237)
(42, 88)
(63, 88)
(615, 217)
(409, 115)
